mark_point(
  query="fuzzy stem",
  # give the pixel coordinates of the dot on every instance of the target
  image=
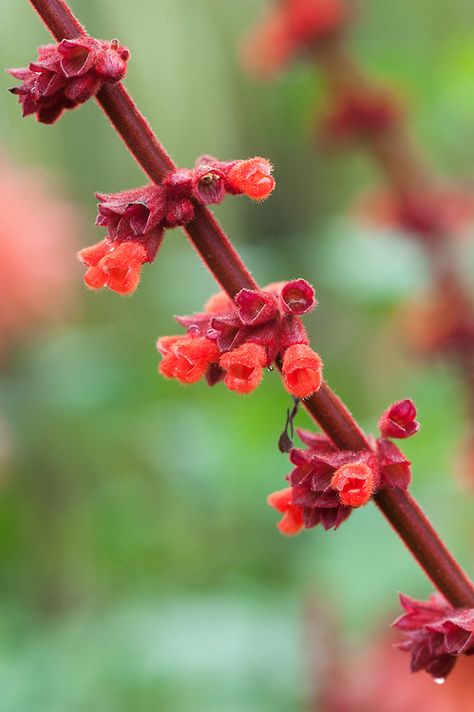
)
(225, 264)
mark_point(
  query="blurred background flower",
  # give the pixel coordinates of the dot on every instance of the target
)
(38, 235)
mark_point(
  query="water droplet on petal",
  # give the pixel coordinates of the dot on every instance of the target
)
(439, 680)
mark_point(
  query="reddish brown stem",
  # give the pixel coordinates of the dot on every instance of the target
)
(218, 253)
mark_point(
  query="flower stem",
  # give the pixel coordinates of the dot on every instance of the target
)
(225, 264)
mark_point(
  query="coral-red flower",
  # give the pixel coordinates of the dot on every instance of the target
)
(68, 74)
(292, 521)
(302, 370)
(115, 265)
(291, 26)
(399, 421)
(186, 358)
(354, 482)
(243, 367)
(436, 634)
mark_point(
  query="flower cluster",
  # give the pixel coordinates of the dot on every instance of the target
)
(68, 74)
(136, 219)
(291, 26)
(436, 634)
(328, 483)
(235, 340)
(359, 115)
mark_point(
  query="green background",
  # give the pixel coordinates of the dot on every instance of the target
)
(140, 567)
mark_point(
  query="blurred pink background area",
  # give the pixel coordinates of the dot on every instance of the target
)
(38, 238)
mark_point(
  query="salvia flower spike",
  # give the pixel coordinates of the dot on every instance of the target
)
(68, 74)
(218, 253)
(436, 634)
(248, 334)
(136, 219)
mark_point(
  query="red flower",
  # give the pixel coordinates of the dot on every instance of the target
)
(292, 521)
(399, 421)
(436, 634)
(68, 74)
(186, 358)
(354, 482)
(302, 370)
(116, 265)
(292, 26)
(243, 367)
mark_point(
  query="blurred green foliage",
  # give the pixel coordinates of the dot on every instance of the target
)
(140, 567)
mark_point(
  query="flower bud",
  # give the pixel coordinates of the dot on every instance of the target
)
(256, 307)
(298, 296)
(252, 177)
(399, 421)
